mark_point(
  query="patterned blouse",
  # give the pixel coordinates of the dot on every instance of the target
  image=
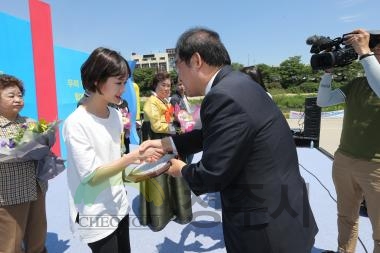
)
(18, 181)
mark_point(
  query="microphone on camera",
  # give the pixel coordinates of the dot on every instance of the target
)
(318, 40)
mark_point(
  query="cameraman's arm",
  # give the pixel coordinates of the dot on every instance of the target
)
(326, 96)
(372, 70)
(359, 39)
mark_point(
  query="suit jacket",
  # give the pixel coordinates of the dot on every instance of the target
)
(250, 157)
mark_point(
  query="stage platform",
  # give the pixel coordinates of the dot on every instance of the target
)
(204, 233)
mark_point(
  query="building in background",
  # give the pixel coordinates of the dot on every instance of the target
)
(158, 61)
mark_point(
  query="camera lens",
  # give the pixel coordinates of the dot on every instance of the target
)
(322, 61)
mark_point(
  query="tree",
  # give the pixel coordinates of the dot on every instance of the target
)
(351, 71)
(266, 72)
(236, 66)
(292, 72)
(173, 77)
(144, 77)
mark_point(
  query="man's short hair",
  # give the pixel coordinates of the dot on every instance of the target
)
(206, 43)
(374, 38)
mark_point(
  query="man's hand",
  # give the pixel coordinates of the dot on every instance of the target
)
(175, 168)
(163, 144)
(151, 154)
(359, 40)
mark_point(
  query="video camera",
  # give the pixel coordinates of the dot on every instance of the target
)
(329, 53)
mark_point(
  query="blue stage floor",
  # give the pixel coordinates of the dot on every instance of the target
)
(204, 233)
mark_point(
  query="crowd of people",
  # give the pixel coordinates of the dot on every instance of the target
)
(247, 148)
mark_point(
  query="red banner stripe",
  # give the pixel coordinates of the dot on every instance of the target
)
(43, 55)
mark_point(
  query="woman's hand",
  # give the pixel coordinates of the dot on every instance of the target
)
(153, 154)
(149, 155)
(163, 144)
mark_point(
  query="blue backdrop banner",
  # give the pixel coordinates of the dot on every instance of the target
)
(68, 82)
(16, 57)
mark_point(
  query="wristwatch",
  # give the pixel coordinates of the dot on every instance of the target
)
(366, 55)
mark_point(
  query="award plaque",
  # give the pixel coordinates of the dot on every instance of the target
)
(140, 172)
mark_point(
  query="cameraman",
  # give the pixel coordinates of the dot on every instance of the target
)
(356, 166)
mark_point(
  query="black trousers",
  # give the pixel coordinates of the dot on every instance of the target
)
(117, 242)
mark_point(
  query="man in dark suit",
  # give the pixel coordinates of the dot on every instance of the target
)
(249, 155)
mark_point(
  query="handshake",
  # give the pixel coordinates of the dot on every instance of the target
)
(151, 151)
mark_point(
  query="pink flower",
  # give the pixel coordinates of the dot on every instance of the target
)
(126, 118)
(185, 120)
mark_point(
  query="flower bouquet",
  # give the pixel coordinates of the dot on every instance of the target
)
(186, 120)
(33, 142)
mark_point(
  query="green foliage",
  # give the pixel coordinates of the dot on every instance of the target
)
(306, 87)
(173, 77)
(288, 102)
(274, 86)
(142, 102)
(296, 102)
(333, 108)
(277, 91)
(236, 66)
(143, 78)
(292, 72)
(196, 101)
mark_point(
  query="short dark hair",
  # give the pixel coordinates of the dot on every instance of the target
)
(159, 77)
(374, 40)
(205, 42)
(100, 65)
(10, 81)
(255, 74)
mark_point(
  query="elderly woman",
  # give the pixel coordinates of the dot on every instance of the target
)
(166, 197)
(22, 195)
(157, 109)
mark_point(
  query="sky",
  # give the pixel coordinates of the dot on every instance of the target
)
(254, 32)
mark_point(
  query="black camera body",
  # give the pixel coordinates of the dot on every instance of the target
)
(329, 53)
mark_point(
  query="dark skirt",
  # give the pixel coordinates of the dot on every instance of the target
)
(164, 198)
